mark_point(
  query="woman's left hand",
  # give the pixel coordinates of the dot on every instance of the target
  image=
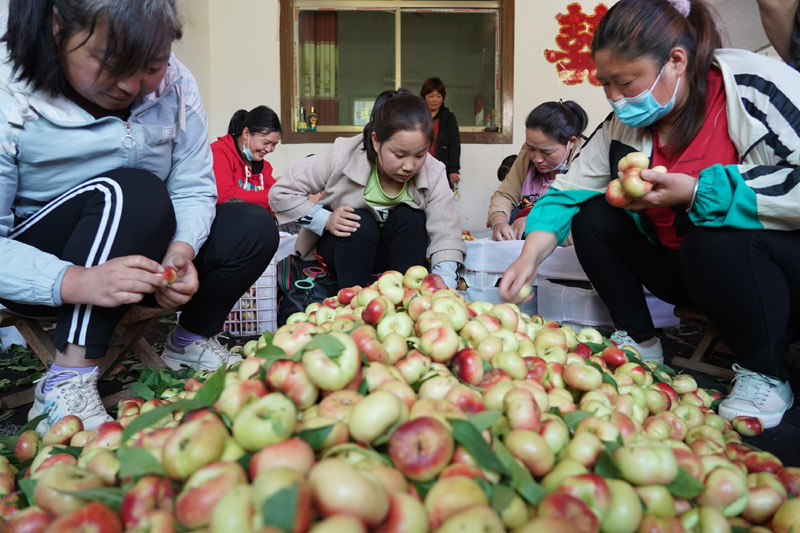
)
(179, 255)
(668, 189)
(454, 178)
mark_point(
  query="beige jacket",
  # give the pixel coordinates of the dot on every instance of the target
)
(506, 197)
(341, 175)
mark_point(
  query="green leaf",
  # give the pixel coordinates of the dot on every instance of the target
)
(329, 344)
(28, 486)
(136, 462)
(363, 388)
(27, 380)
(595, 347)
(268, 336)
(74, 451)
(468, 436)
(212, 388)
(315, 437)
(484, 419)
(244, 461)
(416, 386)
(275, 353)
(486, 366)
(280, 509)
(487, 487)
(685, 485)
(606, 467)
(608, 378)
(32, 423)
(140, 389)
(521, 479)
(149, 418)
(110, 496)
(501, 497)
(423, 487)
(573, 418)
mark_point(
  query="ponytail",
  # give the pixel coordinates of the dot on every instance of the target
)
(260, 119)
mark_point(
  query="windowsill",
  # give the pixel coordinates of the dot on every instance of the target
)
(323, 137)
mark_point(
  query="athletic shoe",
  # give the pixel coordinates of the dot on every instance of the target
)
(755, 394)
(74, 396)
(651, 353)
(204, 354)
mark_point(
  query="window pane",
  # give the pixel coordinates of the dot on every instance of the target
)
(345, 59)
(460, 49)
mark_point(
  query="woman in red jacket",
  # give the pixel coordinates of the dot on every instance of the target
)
(239, 165)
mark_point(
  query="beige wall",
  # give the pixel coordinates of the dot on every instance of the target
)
(242, 70)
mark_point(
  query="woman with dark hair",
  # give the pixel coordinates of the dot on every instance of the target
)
(721, 229)
(239, 166)
(384, 204)
(446, 145)
(88, 86)
(553, 137)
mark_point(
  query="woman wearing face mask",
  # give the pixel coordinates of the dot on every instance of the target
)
(553, 136)
(82, 239)
(240, 169)
(385, 204)
(721, 228)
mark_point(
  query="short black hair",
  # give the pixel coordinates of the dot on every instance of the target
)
(260, 119)
(505, 166)
(558, 120)
(395, 111)
(433, 84)
(138, 33)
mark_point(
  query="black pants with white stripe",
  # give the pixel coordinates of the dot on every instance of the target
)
(747, 282)
(129, 212)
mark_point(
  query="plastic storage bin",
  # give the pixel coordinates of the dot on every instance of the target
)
(565, 303)
(257, 310)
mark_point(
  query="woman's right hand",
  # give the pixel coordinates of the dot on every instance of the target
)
(503, 231)
(118, 281)
(343, 221)
(521, 273)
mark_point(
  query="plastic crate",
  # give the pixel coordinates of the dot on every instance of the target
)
(257, 310)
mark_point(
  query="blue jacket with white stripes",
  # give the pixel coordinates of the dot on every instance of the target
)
(760, 192)
(50, 145)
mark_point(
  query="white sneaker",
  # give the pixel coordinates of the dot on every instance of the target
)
(205, 354)
(651, 353)
(74, 396)
(755, 394)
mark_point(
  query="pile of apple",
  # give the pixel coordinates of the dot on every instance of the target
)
(621, 191)
(399, 407)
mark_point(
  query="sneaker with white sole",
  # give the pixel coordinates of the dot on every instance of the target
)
(755, 394)
(651, 353)
(204, 354)
(74, 396)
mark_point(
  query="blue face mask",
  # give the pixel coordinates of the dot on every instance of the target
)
(643, 109)
(562, 167)
(246, 150)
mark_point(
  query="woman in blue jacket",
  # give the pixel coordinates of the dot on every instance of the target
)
(720, 230)
(89, 87)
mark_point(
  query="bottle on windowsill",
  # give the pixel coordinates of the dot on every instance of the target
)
(312, 120)
(302, 125)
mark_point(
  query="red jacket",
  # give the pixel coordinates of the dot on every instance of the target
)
(231, 174)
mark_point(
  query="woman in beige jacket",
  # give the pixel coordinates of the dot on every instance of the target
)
(553, 136)
(385, 204)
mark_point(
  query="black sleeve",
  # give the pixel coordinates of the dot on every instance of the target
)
(453, 162)
(794, 50)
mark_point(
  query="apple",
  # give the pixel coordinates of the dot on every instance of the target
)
(236, 396)
(452, 307)
(195, 503)
(582, 377)
(616, 194)
(290, 378)
(625, 509)
(790, 477)
(431, 284)
(646, 463)
(562, 505)
(440, 343)
(193, 445)
(27, 445)
(584, 448)
(762, 503)
(399, 323)
(749, 426)
(761, 461)
(62, 431)
(170, 274)
(725, 490)
(101, 461)
(293, 336)
(657, 500)
(522, 411)
(266, 421)
(51, 492)
(148, 493)
(269, 483)
(413, 277)
(451, 495)
(421, 448)
(463, 397)
(531, 449)
(376, 415)
(339, 488)
(468, 365)
(390, 284)
(633, 183)
(293, 453)
(787, 517)
(339, 404)
(234, 511)
(475, 518)
(506, 315)
(332, 372)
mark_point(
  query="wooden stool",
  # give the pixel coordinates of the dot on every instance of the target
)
(130, 337)
(710, 342)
